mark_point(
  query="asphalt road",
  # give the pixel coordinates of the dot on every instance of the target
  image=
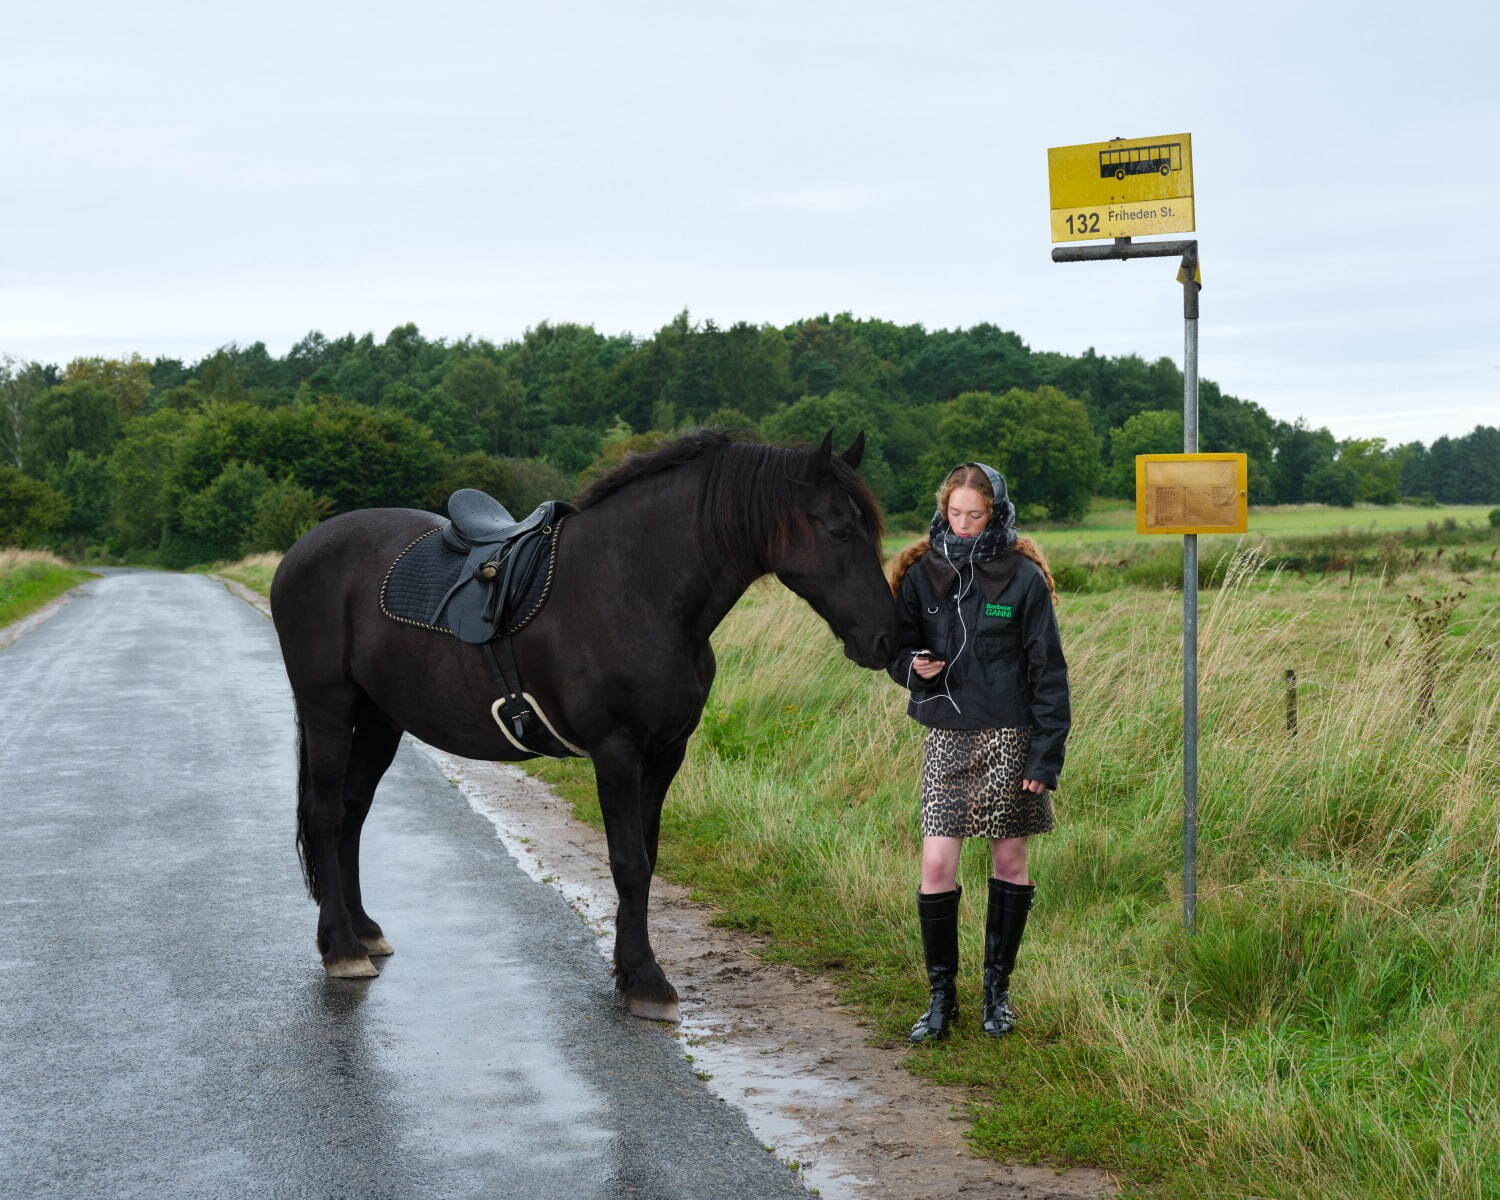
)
(166, 1028)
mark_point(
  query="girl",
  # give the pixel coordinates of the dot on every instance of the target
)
(979, 651)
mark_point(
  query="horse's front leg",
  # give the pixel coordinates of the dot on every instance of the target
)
(657, 777)
(619, 770)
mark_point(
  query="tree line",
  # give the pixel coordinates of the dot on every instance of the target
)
(180, 463)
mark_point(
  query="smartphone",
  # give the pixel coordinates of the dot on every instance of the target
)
(928, 655)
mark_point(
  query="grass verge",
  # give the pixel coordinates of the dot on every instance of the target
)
(254, 572)
(30, 578)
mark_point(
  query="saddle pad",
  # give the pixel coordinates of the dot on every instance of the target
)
(425, 572)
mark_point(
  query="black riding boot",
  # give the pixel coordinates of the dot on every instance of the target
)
(1004, 925)
(939, 916)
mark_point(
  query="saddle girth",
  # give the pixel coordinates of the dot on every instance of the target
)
(521, 719)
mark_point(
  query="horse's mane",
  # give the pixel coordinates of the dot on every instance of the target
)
(749, 492)
(645, 463)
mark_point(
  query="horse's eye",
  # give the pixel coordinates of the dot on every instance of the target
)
(840, 533)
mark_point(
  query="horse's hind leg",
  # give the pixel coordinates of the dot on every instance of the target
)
(325, 747)
(374, 746)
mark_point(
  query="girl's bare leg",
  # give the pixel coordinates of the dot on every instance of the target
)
(1007, 860)
(940, 864)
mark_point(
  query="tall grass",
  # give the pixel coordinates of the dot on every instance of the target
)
(30, 578)
(254, 571)
(1329, 1032)
(13, 559)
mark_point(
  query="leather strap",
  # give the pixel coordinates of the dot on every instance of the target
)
(519, 716)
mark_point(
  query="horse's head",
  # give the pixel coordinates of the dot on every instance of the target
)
(834, 562)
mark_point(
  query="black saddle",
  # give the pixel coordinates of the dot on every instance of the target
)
(478, 519)
(480, 576)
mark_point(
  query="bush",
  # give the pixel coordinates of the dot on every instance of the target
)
(1333, 483)
(283, 513)
(358, 457)
(28, 508)
(180, 550)
(1495, 518)
(220, 515)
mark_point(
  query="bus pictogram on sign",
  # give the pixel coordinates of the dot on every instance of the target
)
(1141, 160)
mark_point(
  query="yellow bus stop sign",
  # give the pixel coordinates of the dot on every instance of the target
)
(1191, 493)
(1123, 188)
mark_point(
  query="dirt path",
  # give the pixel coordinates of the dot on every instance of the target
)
(772, 1040)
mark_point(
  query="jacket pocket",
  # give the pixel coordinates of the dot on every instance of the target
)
(997, 644)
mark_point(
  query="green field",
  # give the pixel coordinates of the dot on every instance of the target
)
(1104, 552)
(30, 578)
(1111, 522)
(1329, 1032)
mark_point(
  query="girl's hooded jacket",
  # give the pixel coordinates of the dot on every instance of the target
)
(993, 624)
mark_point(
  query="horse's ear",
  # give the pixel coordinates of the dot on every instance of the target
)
(824, 452)
(856, 451)
(816, 468)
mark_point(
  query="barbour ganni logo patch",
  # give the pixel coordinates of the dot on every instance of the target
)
(997, 610)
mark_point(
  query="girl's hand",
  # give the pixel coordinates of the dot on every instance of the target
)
(1033, 785)
(927, 668)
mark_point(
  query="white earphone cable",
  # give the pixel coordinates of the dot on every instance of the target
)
(958, 607)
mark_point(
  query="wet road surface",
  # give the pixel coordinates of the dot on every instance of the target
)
(166, 1028)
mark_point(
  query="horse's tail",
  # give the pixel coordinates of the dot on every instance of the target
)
(304, 814)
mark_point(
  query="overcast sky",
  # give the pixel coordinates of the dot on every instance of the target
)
(184, 175)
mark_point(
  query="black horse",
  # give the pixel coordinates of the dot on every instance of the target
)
(619, 657)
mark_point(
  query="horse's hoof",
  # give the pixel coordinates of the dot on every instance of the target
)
(655, 1010)
(377, 947)
(351, 968)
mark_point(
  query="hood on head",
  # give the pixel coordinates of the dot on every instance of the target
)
(1005, 511)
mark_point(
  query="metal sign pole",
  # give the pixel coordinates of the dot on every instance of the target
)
(1190, 289)
(1124, 248)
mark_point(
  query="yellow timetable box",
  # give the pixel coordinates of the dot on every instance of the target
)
(1191, 493)
(1124, 188)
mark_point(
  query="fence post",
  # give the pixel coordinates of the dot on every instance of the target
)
(1291, 701)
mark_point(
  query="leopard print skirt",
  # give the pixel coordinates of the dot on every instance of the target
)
(971, 785)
